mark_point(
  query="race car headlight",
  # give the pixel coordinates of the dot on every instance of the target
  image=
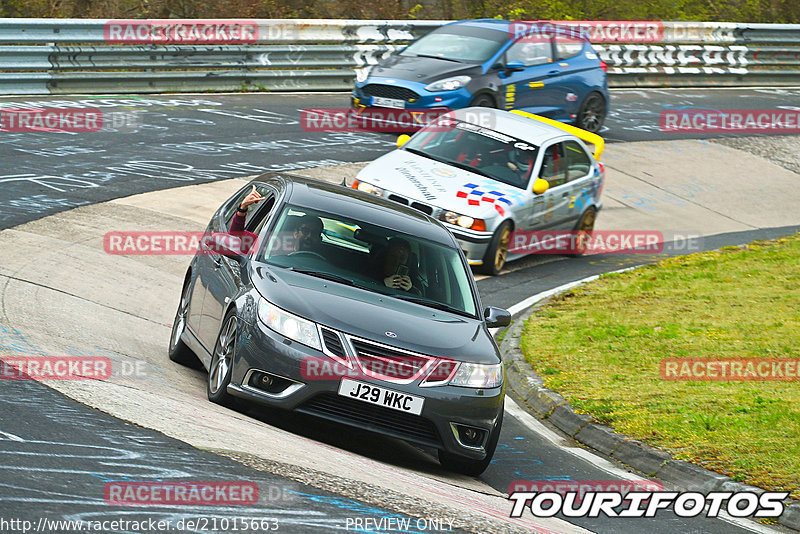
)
(477, 375)
(463, 221)
(290, 325)
(368, 188)
(449, 84)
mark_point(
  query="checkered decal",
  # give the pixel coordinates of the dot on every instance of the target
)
(475, 195)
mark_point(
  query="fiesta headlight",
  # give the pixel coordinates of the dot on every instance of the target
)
(368, 188)
(478, 375)
(290, 325)
(448, 84)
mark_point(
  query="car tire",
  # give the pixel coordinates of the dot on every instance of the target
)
(221, 367)
(496, 253)
(592, 113)
(468, 466)
(178, 351)
(482, 101)
(585, 225)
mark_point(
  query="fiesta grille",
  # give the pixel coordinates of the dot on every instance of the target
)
(389, 91)
(384, 363)
(371, 417)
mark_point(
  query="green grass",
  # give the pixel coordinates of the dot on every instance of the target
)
(600, 346)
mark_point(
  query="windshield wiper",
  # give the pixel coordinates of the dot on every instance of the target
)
(432, 56)
(325, 275)
(431, 303)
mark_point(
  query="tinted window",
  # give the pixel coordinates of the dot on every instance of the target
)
(578, 161)
(530, 53)
(358, 253)
(554, 165)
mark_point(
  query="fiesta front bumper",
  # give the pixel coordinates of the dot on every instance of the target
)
(445, 407)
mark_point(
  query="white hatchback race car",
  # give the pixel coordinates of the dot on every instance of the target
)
(486, 173)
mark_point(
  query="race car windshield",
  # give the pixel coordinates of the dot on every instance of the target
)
(356, 253)
(476, 149)
(458, 43)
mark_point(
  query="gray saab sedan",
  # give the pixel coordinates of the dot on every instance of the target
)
(350, 308)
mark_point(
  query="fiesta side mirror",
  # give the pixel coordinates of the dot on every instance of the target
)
(514, 66)
(496, 317)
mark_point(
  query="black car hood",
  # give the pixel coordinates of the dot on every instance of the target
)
(370, 315)
(422, 69)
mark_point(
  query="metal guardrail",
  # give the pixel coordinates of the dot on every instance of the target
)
(58, 56)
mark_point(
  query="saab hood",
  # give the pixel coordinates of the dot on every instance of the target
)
(369, 315)
(422, 69)
(441, 185)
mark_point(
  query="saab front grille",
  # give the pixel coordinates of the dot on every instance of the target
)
(332, 342)
(371, 417)
(389, 91)
(385, 363)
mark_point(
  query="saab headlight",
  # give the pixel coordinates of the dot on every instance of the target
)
(448, 84)
(290, 325)
(478, 375)
(368, 188)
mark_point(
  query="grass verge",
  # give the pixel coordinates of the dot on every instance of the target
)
(600, 346)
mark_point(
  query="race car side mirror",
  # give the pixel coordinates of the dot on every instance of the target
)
(515, 66)
(496, 317)
(540, 186)
(403, 139)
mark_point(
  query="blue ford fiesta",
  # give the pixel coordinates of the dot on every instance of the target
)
(491, 63)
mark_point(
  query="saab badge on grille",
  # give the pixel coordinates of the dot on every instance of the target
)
(390, 334)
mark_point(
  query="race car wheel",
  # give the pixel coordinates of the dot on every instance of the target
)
(178, 351)
(468, 466)
(584, 228)
(219, 372)
(495, 257)
(592, 113)
(482, 101)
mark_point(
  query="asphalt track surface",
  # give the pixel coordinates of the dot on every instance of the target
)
(48, 173)
(172, 140)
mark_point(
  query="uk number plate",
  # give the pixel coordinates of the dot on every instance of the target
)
(381, 396)
(388, 102)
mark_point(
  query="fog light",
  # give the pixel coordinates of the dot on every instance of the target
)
(470, 436)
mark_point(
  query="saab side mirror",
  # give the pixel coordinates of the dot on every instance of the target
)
(496, 317)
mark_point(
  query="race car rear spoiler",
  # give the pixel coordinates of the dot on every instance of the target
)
(583, 135)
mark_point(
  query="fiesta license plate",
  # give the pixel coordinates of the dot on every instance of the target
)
(387, 398)
(388, 102)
